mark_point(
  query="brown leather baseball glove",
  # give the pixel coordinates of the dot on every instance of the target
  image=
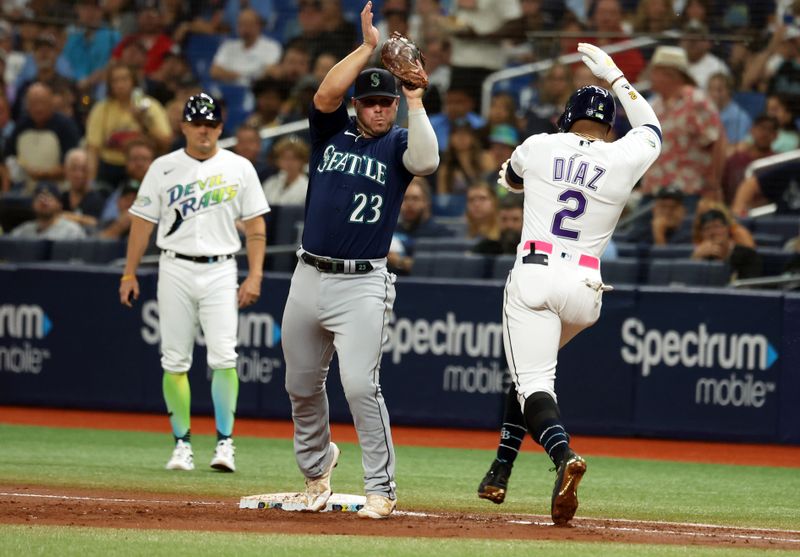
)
(404, 59)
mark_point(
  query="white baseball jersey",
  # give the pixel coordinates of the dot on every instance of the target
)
(196, 203)
(575, 189)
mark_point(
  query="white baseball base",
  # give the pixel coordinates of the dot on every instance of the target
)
(338, 502)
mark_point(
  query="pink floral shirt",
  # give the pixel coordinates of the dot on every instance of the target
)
(690, 125)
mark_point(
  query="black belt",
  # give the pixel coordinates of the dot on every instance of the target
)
(201, 258)
(536, 258)
(328, 265)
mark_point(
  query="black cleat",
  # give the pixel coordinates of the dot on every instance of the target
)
(495, 482)
(565, 491)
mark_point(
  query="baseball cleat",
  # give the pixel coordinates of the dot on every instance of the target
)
(318, 490)
(495, 482)
(377, 506)
(223, 456)
(182, 457)
(565, 492)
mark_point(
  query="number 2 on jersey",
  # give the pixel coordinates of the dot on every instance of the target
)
(362, 213)
(568, 213)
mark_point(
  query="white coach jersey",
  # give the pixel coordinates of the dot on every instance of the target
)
(575, 189)
(196, 203)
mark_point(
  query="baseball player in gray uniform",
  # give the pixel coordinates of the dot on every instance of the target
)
(575, 185)
(341, 294)
(196, 195)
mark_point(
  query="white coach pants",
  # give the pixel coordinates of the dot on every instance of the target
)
(544, 307)
(192, 293)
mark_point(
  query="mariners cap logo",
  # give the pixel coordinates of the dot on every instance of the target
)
(374, 79)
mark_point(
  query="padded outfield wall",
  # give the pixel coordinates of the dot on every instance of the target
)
(687, 363)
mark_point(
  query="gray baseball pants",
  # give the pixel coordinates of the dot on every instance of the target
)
(347, 313)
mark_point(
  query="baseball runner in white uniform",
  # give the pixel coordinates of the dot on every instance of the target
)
(196, 195)
(575, 186)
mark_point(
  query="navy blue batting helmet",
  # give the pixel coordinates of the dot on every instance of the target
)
(202, 107)
(588, 103)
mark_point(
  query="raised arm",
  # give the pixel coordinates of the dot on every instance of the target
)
(422, 154)
(330, 93)
(638, 110)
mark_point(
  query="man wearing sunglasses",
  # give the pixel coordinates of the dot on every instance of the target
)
(196, 195)
(341, 295)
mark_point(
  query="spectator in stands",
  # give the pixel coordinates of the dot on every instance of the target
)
(139, 155)
(510, 226)
(14, 57)
(778, 183)
(120, 227)
(245, 59)
(150, 33)
(502, 110)
(80, 202)
(503, 139)
(545, 102)
(702, 62)
(124, 115)
(294, 64)
(6, 122)
(322, 65)
(696, 10)
(48, 222)
(248, 145)
(475, 29)
(321, 26)
(40, 140)
(734, 118)
(164, 83)
(741, 235)
(289, 185)
(415, 222)
(693, 152)
(458, 105)
(45, 54)
(437, 66)
(89, 46)
(654, 16)
(270, 95)
(668, 224)
(762, 133)
(779, 107)
(533, 18)
(481, 214)
(607, 19)
(297, 105)
(464, 162)
(717, 244)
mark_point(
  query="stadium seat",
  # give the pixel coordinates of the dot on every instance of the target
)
(774, 260)
(501, 265)
(785, 226)
(453, 205)
(443, 244)
(89, 250)
(21, 250)
(687, 272)
(671, 251)
(14, 210)
(752, 102)
(624, 270)
(767, 240)
(199, 50)
(450, 265)
(239, 103)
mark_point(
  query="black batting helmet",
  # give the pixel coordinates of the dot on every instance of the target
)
(588, 103)
(202, 107)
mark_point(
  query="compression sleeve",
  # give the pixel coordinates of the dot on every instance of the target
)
(638, 110)
(422, 155)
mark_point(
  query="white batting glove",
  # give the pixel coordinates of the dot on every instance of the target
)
(501, 178)
(599, 62)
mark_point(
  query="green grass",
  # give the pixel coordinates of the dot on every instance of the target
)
(428, 479)
(80, 542)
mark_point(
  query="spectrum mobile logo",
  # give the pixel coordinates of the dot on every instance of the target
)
(24, 322)
(694, 349)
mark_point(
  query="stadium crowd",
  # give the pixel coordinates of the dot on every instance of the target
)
(91, 91)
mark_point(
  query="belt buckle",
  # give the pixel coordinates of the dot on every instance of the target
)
(317, 261)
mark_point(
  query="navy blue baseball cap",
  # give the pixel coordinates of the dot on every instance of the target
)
(375, 82)
(202, 107)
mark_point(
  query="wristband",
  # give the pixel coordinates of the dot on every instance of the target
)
(127, 277)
